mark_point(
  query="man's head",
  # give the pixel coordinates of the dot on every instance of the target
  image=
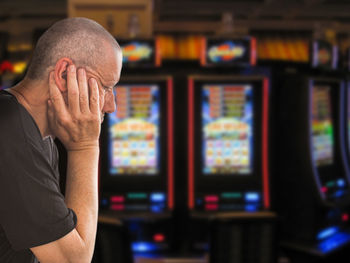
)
(84, 43)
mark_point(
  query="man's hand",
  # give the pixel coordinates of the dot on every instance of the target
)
(75, 120)
(78, 124)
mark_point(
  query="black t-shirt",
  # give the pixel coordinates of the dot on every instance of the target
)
(32, 207)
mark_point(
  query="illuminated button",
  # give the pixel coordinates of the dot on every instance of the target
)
(159, 237)
(104, 201)
(157, 208)
(137, 195)
(334, 242)
(341, 182)
(157, 197)
(232, 195)
(117, 199)
(252, 197)
(345, 217)
(250, 208)
(211, 207)
(339, 193)
(327, 232)
(142, 247)
(330, 183)
(211, 198)
(117, 207)
(324, 189)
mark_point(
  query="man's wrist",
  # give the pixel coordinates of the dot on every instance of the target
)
(83, 146)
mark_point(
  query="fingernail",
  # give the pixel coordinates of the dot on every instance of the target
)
(92, 81)
(81, 71)
(71, 68)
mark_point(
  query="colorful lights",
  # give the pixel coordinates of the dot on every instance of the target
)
(341, 182)
(157, 197)
(324, 189)
(345, 217)
(335, 241)
(137, 195)
(157, 208)
(211, 198)
(143, 247)
(231, 195)
(251, 208)
(252, 197)
(211, 207)
(117, 207)
(227, 113)
(322, 126)
(134, 142)
(327, 232)
(159, 237)
(117, 199)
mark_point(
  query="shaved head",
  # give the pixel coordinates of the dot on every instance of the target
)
(82, 40)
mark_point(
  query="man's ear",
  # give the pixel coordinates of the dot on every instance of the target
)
(61, 68)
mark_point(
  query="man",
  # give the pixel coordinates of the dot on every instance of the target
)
(65, 93)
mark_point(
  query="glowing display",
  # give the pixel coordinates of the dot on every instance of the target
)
(322, 127)
(136, 51)
(134, 131)
(227, 127)
(228, 51)
(234, 51)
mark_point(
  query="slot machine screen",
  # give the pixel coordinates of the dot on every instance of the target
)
(134, 143)
(322, 126)
(227, 129)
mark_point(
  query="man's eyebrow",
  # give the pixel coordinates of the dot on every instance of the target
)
(107, 86)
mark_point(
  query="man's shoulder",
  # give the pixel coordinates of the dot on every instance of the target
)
(16, 124)
(10, 115)
(18, 128)
(8, 105)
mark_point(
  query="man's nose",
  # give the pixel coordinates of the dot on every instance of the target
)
(109, 105)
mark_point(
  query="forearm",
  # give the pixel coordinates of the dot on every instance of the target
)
(82, 193)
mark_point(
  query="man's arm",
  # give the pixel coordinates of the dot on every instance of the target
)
(81, 196)
(77, 125)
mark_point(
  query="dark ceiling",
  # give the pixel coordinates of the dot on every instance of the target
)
(202, 15)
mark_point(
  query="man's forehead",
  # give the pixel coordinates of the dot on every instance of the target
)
(107, 70)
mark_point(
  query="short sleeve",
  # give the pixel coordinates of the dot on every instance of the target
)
(32, 208)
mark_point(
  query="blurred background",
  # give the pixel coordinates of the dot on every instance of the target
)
(231, 138)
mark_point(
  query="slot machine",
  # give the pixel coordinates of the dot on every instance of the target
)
(346, 120)
(228, 154)
(312, 182)
(136, 182)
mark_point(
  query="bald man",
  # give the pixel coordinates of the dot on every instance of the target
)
(66, 92)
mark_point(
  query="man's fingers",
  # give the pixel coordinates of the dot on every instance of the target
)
(83, 91)
(94, 96)
(73, 90)
(56, 98)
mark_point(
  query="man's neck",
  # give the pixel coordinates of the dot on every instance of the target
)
(33, 98)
